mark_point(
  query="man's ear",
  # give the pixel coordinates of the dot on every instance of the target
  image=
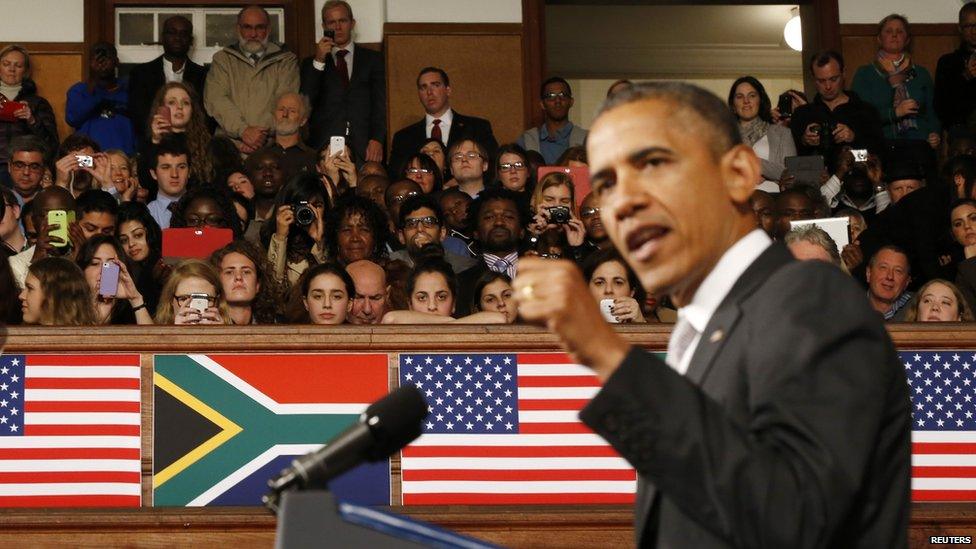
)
(400, 237)
(741, 170)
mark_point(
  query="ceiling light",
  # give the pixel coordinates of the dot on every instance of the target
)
(793, 33)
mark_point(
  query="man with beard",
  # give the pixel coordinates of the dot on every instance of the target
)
(263, 168)
(246, 78)
(557, 133)
(290, 116)
(499, 225)
(174, 65)
(420, 228)
(372, 299)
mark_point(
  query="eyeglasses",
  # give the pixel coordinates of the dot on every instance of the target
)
(511, 166)
(470, 155)
(21, 166)
(429, 222)
(415, 171)
(217, 221)
(554, 96)
(182, 300)
(403, 197)
(588, 212)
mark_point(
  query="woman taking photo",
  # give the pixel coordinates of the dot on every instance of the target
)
(35, 116)
(142, 242)
(556, 193)
(192, 296)
(772, 143)
(177, 110)
(294, 241)
(56, 294)
(126, 304)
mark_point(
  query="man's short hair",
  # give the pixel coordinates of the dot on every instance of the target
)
(170, 145)
(492, 194)
(466, 138)
(711, 112)
(440, 71)
(303, 99)
(75, 142)
(96, 200)
(240, 14)
(417, 202)
(333, 4)
(897, 250)
(27, 143)
(816, 236)
(554, 80)
(822, 57)
(966, 9)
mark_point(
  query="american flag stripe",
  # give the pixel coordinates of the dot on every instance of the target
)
(549, 457)
(70, 429)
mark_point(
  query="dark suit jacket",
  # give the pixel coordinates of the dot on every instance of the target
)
(146, 79)
(362, 104)
(408, 140)
(791, 427)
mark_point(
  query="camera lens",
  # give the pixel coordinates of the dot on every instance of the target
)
(304, 215)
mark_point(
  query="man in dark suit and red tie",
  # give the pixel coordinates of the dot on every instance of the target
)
(346, 85)
(781, 416)
(440, 122)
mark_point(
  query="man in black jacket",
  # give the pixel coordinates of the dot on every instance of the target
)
(440, 121)
(955, 75)
(173, 66)
(347, 87)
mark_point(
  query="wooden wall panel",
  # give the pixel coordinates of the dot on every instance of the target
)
(56, 67)
(484, 62)
(859, 45)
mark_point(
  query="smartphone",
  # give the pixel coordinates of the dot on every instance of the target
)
(785, 105)
(167, 114)
(860, 155)
(109, 285)
(606, 309)
(61, 219)
(329, 33)
(337, 144)
(199, 302)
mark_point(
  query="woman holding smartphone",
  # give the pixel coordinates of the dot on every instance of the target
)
(115, 296)
(192, 296)
(177, 110)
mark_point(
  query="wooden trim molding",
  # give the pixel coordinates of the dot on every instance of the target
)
(50, 47)
(533, 58)
(918, 29)
(452, 28)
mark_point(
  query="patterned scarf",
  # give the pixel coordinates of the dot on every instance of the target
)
(898, 72)
(753, 130)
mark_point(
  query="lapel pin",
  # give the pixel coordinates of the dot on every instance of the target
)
(716, 336)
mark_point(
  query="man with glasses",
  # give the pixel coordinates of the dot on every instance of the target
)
(836, 117)
(557, 133)
(440, 121)
(26, 167)
(421, 230)
(469, 163)
(955, 75)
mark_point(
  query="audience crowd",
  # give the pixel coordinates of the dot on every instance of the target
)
(289, 157)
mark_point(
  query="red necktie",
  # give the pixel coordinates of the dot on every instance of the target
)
(435, 132)
(342, 67)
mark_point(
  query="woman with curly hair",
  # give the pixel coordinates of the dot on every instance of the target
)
(186, 119)
(56, 294)
(357, 229)
(206, 206)
(249, 290)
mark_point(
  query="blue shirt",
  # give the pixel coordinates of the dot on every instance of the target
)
(552, 146)
(102, 115)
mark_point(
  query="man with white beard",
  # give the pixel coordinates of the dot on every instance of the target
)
(246, 79)
(290, 116)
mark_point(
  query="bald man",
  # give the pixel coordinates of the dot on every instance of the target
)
(372, 299)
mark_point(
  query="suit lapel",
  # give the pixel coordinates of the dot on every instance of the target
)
(457, 128)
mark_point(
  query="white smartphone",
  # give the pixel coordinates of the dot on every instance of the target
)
(337, 144)
(199, 302)
(606, 308)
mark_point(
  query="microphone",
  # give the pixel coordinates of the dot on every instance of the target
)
(385, 427)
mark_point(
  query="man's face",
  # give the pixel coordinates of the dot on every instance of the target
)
(253, 27)
(339, 19)
(177, 37)
(764, 208)
(95, 223)
(808, 251)
(356, 238)
(268, 177)
(204, 211)
(239, 278)
(590, 216)
(421, 227)
(26, 169)
(829, 79)
(171, 173)
(653, 173)
(371, 301)
(888, 275)
(48, 202)
(103, 64)
(499, 229)
(455, 208)
(434, 94)
(898, 189)
(467, 164)
(556, 101)
(967, 29)
(792, 207)
(373, 187)
(399, 192)
(289, 115)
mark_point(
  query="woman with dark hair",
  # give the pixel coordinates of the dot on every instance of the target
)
(142, 242)
(573, 157)
(337, 171)
(327, 292)
(751, 106)
(432, 288)
(206, 206)
(437, 152)
(127, 305)
(356, 229)
(512, 169)
(248, 289)
(295, 240)
(421, 169)
(614, 285)
(493, 292)
(35, 117)
(56, 294)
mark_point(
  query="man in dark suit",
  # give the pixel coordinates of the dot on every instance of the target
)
(173, 66)
(440, 121)
(781, 417)
(347, 87)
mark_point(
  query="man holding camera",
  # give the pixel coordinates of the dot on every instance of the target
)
(836, 117)
(347, 87)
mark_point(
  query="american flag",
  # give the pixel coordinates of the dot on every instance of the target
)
(943, 389)
(503, 429)
(69, 431)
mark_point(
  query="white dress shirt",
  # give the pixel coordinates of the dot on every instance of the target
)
(350, 47)
(170, 74)
(717, 285)
(446, 119)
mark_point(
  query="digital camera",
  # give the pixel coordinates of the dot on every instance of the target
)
(558, 215)
(304, 214)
